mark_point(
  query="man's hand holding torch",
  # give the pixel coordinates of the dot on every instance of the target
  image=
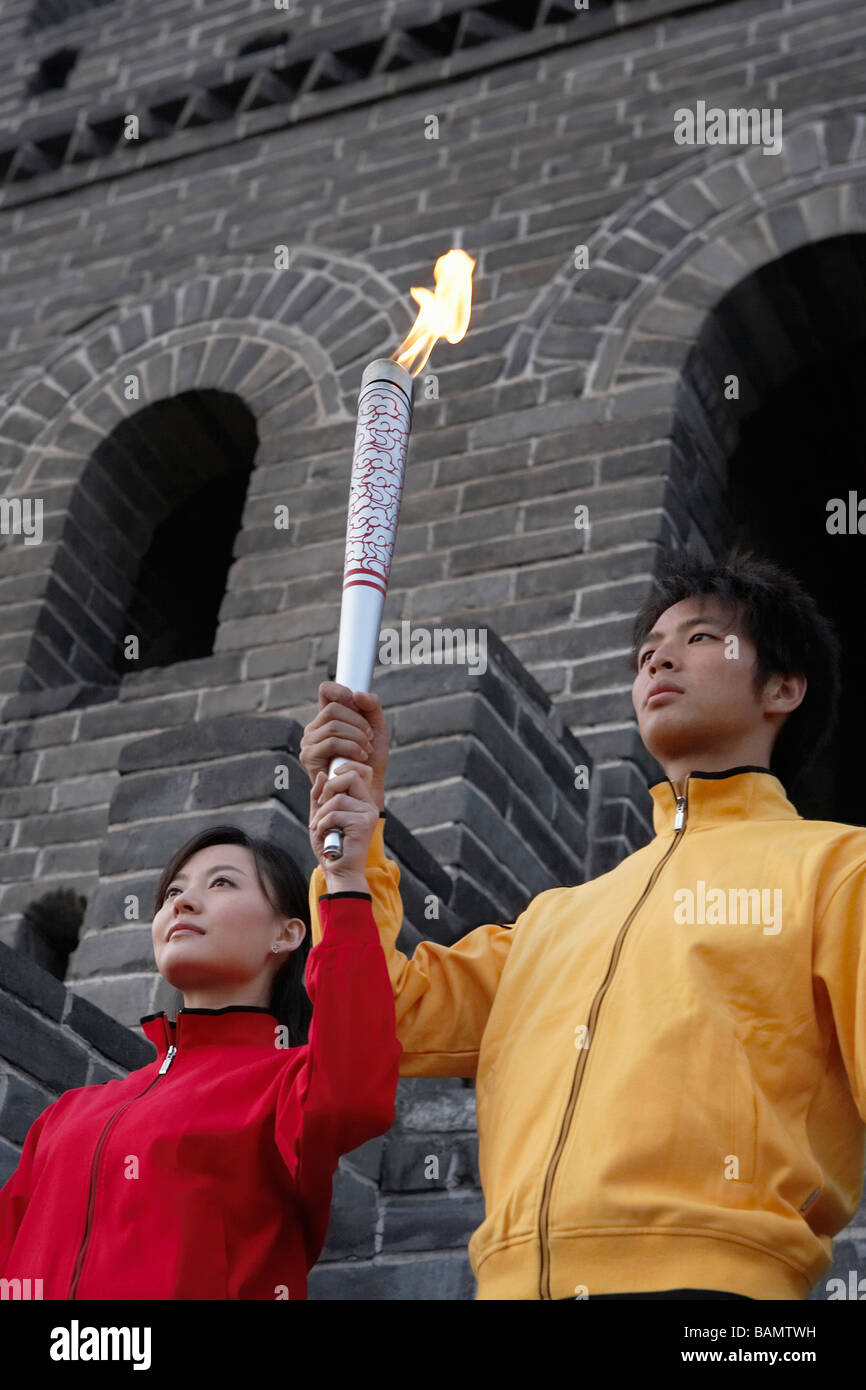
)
(350, 724)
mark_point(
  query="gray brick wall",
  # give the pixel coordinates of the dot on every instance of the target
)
(573, 386)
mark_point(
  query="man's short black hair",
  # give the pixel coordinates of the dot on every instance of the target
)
(790, 636)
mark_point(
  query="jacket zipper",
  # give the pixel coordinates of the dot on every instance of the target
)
(679, 827)
(91, 1196)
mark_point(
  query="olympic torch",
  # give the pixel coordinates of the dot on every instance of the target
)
(378, 467)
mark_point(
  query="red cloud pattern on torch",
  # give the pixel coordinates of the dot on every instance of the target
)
(381, 442)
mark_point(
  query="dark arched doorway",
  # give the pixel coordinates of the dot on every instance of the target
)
(804, 447)
(146, 543)
(794, 335)
(181, 579)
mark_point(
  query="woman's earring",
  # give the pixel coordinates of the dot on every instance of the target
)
(275, 948)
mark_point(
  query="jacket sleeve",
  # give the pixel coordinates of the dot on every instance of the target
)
(16, 1191)
(344, 1092)
(839, 962)
(443, 995)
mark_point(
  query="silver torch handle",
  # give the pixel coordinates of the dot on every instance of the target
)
(378, 466)
(333, 846)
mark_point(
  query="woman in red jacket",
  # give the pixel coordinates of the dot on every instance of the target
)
(207, 1173)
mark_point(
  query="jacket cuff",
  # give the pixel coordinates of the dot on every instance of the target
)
(347, 916)
(376, 852)
(375, 859)
(346, 893)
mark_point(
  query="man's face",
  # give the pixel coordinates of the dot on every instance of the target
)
(717, 706)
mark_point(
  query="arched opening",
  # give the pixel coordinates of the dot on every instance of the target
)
(147, 542)
(794, 336)
(809, 436)
(49, 929)
(180, 583)
(53, 71)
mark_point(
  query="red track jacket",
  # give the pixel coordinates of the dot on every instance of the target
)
(207, 1174)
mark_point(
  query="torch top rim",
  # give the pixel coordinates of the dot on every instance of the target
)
(386, 369)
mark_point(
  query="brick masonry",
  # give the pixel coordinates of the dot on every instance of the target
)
(574, 385)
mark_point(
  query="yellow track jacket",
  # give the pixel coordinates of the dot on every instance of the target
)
(670, 1060)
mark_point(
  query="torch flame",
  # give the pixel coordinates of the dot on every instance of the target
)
(444, 314)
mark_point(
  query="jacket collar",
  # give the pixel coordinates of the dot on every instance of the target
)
(712, 798)
(237, 1025)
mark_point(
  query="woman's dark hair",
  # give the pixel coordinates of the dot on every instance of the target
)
(789, 634)
(285, 887)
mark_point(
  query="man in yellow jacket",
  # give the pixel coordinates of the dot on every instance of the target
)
(670, 1060)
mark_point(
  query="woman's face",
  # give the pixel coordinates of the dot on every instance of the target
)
(224, 956)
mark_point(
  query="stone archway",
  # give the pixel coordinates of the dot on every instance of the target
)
(289, 343)
(627, 325)
(768, 431)
(675, 248)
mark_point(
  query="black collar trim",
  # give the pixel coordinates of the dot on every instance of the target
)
(229, 1009)
(715, 776)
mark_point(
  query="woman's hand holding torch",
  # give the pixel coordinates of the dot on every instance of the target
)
(344, 802)
(341, 730)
